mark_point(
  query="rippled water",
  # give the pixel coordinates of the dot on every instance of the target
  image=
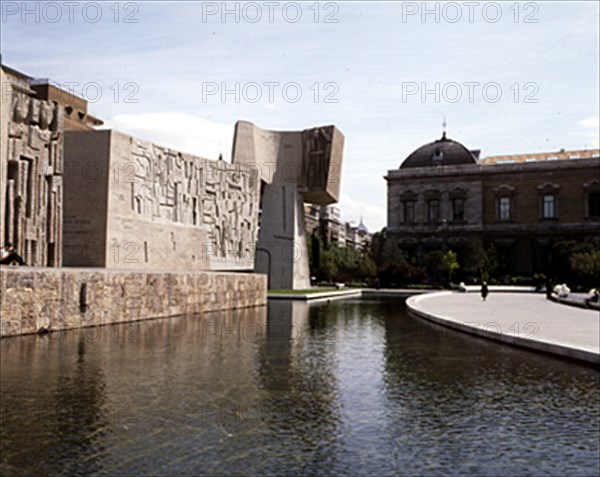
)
(351, 387)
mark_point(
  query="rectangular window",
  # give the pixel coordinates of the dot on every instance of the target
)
(504, 208)
(549, 206)
(433, 210)
(409, 211)
(458, 209)
(594, 204)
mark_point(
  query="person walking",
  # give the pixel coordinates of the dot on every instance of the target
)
(484, 290)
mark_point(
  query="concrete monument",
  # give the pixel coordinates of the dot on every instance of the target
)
(130, 204)
(293, 167)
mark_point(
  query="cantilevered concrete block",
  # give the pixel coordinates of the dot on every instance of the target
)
(294, 167)
(322, 150)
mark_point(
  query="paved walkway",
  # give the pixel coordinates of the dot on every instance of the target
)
(347, 293)
(523, 319)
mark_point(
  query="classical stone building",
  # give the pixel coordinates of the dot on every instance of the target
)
(31, 168)
(443, 197)
(130, 203)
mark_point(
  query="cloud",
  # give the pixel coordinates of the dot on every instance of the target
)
(592, 133)
(180, 131)
(591, 122)
(374, 217)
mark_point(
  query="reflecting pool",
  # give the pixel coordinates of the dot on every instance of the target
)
(349, 387)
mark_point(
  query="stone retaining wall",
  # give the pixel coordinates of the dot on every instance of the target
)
(39, 299)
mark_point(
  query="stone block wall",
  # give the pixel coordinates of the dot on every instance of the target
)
(34, 299)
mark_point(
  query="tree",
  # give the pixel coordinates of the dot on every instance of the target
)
(450, 260)
(586, 267)
(490, 262)
(314, 245)
(329, 266)
(576, 263)
(366, 267)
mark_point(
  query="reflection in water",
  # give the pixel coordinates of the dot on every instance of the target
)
(343, 387)
(60, 405)
(296, 369)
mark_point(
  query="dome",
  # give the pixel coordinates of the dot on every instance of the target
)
(443, 152)
(362, 227)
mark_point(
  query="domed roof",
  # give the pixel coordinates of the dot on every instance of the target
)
(362, 227)
(443, 152)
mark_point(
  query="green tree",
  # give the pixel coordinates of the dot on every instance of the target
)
(329, 266)
(575, 263)
(367, 268)
(315, 249)
(450, 261)
(586, 267)
(490, 262)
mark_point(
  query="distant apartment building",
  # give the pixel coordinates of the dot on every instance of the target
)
(327, 223)
(358, 236)
(443, 197)
(332, 227)
(312, 216)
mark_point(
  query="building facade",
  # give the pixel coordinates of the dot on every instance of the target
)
(444, 198)
(35, 115)
(31, 169)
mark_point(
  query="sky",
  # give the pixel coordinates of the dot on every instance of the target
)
(507, 77)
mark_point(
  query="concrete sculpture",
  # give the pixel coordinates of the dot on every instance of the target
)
(292, 167)
(130, 203)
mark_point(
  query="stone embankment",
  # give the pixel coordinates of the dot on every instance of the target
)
(48, 299)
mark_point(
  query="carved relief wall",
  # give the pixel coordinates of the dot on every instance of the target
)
(172, 187)
(316, 151)
(159, 208)
(32, 163)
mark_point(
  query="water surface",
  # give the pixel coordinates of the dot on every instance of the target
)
(349, 387)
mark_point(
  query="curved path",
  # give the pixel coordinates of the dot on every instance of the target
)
(523, 319)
